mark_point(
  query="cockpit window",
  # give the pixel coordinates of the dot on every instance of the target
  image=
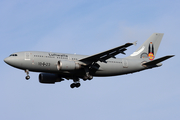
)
(13, 55)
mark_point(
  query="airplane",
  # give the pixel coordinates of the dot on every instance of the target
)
(56, 67)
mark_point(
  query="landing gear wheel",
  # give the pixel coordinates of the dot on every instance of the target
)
(90, 77)
(85, 78)
(73, 85)
(78, 85)
(27, 77)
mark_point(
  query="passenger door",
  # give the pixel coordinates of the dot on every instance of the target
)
(125, 63)
(27, 55)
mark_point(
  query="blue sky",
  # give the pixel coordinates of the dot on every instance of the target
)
(89, 27)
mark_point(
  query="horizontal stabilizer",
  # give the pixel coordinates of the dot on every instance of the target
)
(154, 62)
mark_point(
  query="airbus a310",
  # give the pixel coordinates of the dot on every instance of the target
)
(55, 67)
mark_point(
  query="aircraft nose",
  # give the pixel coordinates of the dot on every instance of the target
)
(13, 61)
(6, 60)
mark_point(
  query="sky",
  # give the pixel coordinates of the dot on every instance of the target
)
(88, 27)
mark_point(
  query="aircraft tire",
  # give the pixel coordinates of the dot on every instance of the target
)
(85, 78)
(90, 77)
(27, 77)
(78, 85)
(73, 85)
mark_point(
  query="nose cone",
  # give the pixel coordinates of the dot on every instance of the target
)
(14, 62)
(9, 61)
(6, 60)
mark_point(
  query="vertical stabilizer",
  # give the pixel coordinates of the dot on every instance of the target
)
(149, 48)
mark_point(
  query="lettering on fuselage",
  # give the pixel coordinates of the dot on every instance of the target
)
(59, 55)
(43, 64)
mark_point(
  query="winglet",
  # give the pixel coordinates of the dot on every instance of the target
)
(135, 43)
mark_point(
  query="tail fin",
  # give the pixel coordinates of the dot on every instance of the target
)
(149, 48)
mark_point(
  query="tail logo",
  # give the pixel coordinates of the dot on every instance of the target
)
(151, 51)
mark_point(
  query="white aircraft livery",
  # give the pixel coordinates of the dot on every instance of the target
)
(56, 67)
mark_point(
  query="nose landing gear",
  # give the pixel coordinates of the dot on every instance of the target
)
(27, 77)
(27, 72)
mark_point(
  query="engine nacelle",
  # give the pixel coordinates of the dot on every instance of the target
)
(49, 78)
(66, 65)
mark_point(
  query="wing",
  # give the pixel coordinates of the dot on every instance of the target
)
(103, 56)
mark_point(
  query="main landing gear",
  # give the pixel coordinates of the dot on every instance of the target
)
(27, 72)
(76, 83)
(76, 79)
(87, 76)
(73, 85)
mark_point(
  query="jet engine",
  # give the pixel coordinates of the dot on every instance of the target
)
(66, 65)
(49, 78)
